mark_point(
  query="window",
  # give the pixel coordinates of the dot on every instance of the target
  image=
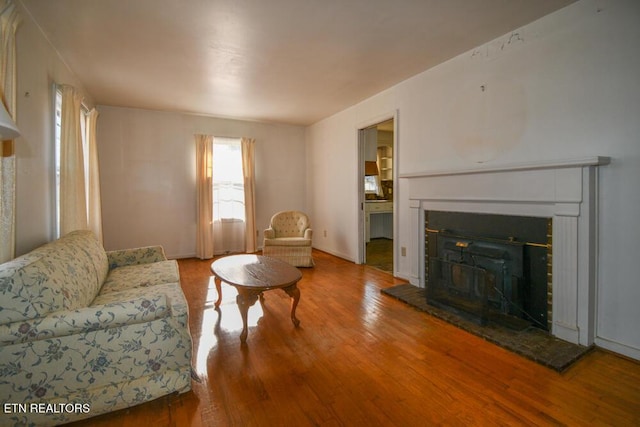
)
(371, 184)
(228, 181)
(226, 213)
(58, 128)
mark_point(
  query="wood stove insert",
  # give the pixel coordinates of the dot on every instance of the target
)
(489, 267)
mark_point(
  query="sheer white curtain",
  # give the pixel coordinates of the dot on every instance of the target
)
(248, 166)
(204, 200)
(94, 201)
(9, 21)
(229, 225)
(73, 204)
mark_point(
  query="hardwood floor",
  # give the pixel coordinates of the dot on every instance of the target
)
(362, 358)
(380, 254)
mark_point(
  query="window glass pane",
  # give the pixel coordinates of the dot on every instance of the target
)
(228, 182)
(370, 185)
(57, 128)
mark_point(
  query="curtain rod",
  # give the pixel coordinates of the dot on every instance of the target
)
(83, 106)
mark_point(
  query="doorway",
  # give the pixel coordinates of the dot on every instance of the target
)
(377, 147)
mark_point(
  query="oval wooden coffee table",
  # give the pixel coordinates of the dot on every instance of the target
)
(252, 275)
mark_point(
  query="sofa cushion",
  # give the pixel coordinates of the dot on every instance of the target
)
(172, 291)
(81, 252)
(141, 275)
(79, 258)
(143, 255)
(90, 247)
(64, 274)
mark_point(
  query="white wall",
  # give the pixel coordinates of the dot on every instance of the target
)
(148, 175)
(38, 68)
(565, 86)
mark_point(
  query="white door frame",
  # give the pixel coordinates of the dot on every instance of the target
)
(362, 252)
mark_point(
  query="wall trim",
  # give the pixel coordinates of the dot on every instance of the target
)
(555, 164)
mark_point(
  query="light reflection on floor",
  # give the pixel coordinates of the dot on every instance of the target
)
(225, 320)
(370, 304)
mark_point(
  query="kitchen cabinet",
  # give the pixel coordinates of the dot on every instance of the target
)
(370, 144)
(378, 216)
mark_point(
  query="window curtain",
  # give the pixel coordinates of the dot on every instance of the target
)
(94, 201)
(248, 166)
(73, 205)
(229, 235)
(204, 199)
(9, 21)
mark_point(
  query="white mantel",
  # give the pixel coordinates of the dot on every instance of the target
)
(564, 190)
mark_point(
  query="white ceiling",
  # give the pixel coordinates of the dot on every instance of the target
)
(288, 61)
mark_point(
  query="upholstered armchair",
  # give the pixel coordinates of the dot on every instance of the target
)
(289, 238)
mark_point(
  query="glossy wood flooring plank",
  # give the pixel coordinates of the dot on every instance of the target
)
(362, 358)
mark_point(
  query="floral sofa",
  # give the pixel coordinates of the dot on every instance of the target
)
(84, 331)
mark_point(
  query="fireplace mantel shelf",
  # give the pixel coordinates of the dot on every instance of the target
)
(556, 164)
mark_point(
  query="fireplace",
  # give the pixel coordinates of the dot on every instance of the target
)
(561, 193)
(489, 267)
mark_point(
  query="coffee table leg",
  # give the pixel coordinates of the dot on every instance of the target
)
(294, 293)
(218, 283)
(245, 299)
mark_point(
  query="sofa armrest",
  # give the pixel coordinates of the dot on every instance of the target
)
(99, 317)
(145, 255)
(269, 233)
(308, 233)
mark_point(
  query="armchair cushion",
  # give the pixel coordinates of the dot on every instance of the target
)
(288, 241)
(289, 224)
